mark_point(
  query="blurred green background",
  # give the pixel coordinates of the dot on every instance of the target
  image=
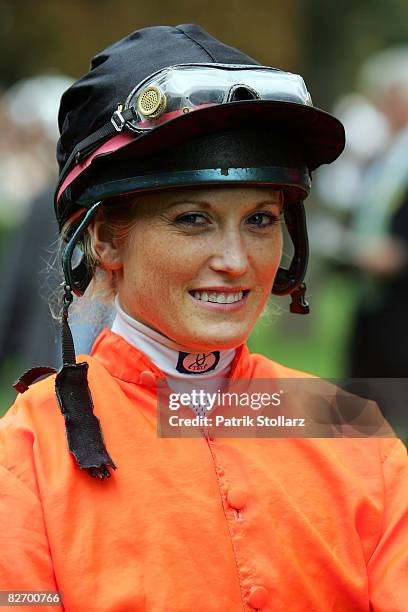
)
(325, 41)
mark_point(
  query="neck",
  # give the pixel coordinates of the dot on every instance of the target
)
(176, 361)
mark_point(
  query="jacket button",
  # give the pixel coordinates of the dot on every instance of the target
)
(147, 378)
(257, 597)
(237, 498)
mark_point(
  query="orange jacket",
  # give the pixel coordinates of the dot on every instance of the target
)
(188, 524)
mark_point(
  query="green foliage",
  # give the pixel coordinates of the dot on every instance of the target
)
(315, 343)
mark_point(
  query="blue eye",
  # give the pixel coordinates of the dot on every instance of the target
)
(262, 219)
(192, 219)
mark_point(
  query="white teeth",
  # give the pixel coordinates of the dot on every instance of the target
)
(218, 297)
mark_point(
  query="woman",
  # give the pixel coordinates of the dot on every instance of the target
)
(173, 182)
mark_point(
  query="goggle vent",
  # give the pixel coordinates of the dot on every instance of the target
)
(151, 102)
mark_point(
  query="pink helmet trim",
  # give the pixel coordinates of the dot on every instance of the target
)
(118, 141)
(115, 143)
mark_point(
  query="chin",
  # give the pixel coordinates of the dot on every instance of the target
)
(213, 341)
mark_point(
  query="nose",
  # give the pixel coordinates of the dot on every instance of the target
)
(230, 256)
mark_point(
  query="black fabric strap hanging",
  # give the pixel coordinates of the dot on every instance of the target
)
(83, 430)
(84, 434)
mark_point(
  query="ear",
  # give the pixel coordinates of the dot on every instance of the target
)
(105, 246)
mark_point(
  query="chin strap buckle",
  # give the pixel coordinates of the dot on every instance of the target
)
(299, 304)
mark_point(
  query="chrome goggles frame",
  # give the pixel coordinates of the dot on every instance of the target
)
(183, 88)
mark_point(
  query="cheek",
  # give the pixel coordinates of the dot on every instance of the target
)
(267, 258)
(154, 267)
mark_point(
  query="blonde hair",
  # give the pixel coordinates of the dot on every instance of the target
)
(119, 215)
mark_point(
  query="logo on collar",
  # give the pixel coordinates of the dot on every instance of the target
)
(197, 363)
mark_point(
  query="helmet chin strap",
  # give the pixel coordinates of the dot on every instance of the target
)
(78, 278)
(290, 281)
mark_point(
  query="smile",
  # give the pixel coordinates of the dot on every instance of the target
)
(219, 297)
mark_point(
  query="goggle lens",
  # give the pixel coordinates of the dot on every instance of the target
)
(185, 88)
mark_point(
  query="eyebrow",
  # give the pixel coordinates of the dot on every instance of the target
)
(208, 206)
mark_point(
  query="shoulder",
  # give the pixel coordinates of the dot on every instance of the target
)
(373, 454)
(262, 366)
(34, 411)
(40, 400)
(32, 432)
(37, 401)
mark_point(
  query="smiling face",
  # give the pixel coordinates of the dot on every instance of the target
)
(198, 264)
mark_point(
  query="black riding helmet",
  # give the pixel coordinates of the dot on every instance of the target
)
(171, 107)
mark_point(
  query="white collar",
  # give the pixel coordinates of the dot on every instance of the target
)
(176, 361)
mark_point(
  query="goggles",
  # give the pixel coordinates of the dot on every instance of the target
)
(188, 87)
(184, 88)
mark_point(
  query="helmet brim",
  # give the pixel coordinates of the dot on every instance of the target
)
(320, 136)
